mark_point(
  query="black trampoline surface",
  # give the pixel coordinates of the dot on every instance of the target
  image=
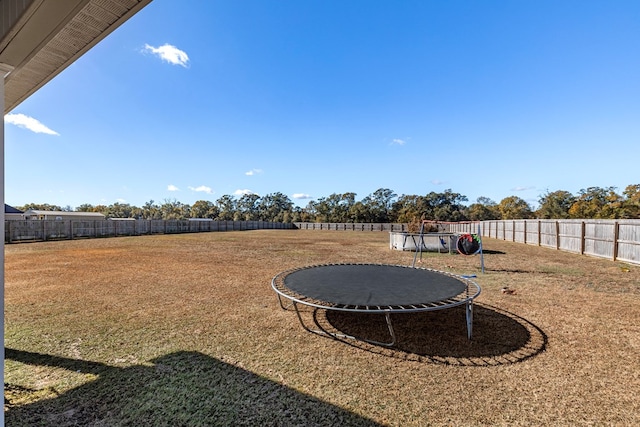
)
(373, 285)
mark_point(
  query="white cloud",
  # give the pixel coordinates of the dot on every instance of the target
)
(398, 141)
(522, 188)
(121, 201)
(243, 192)
(437, 182)
(202, 189)
(29, 123)
(302, 196)
(253, 172)
(172, 187)
(169, 53)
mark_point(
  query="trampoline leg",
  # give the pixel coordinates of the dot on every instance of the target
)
(351, 337)
(391, 331)
(321, 331)
(300, 319)
(469, 319)
(282, 305)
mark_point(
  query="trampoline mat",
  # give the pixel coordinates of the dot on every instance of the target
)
(373, 285)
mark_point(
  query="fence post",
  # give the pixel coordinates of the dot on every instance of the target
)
(582, 237)
(540, 233)
(616, 236)
(557, 235)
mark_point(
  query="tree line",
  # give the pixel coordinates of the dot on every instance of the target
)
(382, 206)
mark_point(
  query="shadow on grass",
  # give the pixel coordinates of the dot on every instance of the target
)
(179, 389)
(492, 252)
(499, 337)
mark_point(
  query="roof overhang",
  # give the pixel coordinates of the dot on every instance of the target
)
(40, 38)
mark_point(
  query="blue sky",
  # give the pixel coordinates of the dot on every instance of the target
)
(195, 100)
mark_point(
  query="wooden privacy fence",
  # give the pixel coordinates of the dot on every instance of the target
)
(618, 240)
(36, 230)
(351, 226)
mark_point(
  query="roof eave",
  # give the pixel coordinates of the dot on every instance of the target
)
(78, 29)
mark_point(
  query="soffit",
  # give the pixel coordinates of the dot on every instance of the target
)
(49, 35)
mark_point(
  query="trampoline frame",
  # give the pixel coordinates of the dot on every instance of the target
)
(466, 297)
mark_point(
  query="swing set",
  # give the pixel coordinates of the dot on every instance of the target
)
(466, 244)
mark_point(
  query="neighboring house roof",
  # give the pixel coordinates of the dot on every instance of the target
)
(31, 212)
(40, 38)
(11, 209)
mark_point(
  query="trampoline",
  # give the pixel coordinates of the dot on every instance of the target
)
(373, 288)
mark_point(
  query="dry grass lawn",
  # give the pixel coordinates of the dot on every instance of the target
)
(186, 330)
